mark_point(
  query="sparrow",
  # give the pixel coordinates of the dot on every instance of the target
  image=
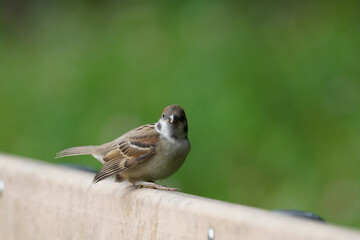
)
(145, 154)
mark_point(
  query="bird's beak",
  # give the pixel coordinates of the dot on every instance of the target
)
(171, 118)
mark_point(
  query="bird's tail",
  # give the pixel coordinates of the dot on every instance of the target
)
(83, 150)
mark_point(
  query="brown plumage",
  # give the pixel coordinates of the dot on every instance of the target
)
(147, 153)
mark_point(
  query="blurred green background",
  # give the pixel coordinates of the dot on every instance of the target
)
(271, 91)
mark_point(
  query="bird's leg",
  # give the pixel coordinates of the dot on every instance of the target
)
(152, 185)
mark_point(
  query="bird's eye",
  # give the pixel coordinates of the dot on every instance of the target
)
(163, 115)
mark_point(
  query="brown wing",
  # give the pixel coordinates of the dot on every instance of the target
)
(133, 147)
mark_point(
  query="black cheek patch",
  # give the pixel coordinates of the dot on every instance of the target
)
(181, 118)
(186, 128)
(158, 126)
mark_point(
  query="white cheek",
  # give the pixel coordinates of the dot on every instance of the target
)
(165, 130)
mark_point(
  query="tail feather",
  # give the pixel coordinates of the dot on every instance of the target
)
(83, 150)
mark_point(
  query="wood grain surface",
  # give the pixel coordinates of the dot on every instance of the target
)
(44, 201)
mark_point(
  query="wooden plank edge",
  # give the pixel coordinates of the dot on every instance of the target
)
(44, 201)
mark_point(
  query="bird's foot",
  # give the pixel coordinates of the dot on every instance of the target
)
(153, 185)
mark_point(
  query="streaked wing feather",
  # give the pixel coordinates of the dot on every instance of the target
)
(109, 168)
(130, 162)
(132, 148)
(134, 143)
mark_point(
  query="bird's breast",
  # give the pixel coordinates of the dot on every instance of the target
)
(168, 159)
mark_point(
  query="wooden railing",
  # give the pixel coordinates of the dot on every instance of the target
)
(44, 201)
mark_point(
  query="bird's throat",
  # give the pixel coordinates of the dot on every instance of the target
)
(165, 130)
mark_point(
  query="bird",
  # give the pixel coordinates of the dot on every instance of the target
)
(145, 154)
